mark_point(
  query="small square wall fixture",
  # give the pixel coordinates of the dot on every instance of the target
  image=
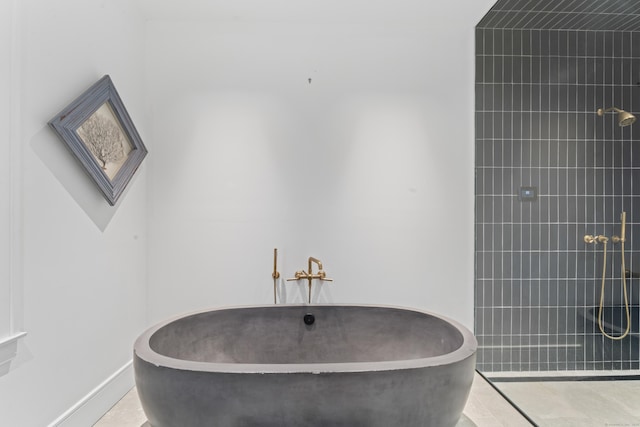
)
(528, 194)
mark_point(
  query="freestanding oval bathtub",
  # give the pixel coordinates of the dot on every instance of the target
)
(354, 366)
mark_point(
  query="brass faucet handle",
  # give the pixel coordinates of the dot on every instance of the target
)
(323, 276)
(299, 275)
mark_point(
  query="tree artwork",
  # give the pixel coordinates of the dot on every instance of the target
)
(104, 139)
(99, 132)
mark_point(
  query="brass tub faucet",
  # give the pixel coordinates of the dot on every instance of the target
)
(309, 275)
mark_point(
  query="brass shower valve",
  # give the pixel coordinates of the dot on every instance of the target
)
(589, 238)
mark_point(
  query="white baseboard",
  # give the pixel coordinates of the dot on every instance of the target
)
(8, 351)
(88, 410)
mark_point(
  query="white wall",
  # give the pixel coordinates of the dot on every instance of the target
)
(5, 167)
(11, 307)
(369, 167)
(83, 263)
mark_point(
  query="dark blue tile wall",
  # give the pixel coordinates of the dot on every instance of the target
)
(537, 282)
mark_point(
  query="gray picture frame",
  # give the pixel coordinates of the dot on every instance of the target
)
(100, 133)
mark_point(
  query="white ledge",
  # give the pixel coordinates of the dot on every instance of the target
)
(8, 350)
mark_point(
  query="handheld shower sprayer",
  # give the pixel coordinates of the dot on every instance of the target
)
(616, 239)
(275, 275)
(623, 226)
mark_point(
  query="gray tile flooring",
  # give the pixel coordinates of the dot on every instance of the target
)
(577, 403)
(126, 413)
(485, 408)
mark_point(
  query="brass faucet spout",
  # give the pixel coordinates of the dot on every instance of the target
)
(311, 261)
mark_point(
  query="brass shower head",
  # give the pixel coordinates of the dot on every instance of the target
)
(624, 118)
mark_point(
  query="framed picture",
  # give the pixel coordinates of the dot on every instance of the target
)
(99, 131)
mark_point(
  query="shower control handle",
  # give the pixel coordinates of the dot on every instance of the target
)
(589, 238)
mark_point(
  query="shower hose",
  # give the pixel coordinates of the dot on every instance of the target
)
(624, 291)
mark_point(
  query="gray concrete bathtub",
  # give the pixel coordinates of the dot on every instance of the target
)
(355, 366)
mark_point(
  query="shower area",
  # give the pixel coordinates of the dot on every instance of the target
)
(550, 170)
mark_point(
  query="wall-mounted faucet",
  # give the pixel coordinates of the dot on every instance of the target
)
(309, 275)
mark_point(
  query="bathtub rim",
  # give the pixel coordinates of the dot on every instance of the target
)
(143, 350)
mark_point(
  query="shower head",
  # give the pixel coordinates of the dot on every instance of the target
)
(624, 118)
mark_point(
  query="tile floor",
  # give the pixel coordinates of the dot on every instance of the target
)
(577, 403)
(485, 408)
